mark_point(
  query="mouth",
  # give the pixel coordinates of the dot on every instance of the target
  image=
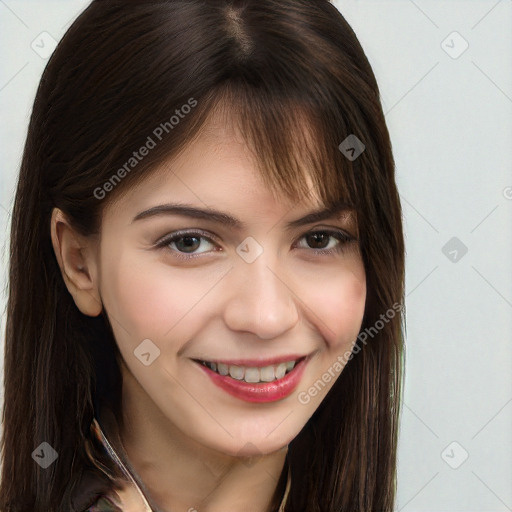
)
(252, 374)
(255, 382)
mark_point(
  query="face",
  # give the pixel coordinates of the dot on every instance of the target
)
(200, 306)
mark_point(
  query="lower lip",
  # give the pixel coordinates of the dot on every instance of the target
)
(264, 392)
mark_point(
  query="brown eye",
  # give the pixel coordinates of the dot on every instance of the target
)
(187, 243)
(318, 239)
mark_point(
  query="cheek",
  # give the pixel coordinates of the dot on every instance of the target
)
(338, 306)
(147, 299)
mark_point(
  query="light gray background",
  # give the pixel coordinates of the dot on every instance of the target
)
(449, 114)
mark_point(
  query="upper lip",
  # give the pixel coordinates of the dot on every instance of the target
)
(257, 363)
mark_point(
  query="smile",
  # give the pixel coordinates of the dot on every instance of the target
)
(251, 383)
(252, 374)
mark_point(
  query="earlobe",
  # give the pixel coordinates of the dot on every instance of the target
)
(76, 258)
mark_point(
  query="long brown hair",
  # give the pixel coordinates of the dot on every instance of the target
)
(121, 71)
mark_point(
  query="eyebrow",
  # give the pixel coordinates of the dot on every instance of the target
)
(213, 215)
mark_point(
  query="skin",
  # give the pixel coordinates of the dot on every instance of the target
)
(193, 444)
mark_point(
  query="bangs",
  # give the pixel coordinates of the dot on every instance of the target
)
(294, 147)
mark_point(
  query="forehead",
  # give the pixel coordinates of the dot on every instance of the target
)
(216, 168)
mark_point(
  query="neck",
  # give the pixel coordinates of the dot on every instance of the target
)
(182, 474)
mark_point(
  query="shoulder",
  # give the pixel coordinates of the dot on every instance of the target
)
(94, 493)
(106, 483)
(125, 500)
(88, 490)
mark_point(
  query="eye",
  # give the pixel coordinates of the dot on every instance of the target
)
(185, 244)
(320, 238)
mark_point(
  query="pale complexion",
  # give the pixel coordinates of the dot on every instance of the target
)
(183, 434)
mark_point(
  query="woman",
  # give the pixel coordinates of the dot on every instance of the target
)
(207, 267)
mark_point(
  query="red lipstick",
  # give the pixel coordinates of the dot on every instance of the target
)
(262, 391)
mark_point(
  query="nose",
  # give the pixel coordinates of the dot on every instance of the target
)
(261, 301)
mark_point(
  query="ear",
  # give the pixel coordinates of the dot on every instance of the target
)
(76, 256)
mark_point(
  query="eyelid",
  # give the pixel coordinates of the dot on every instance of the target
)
(166, 239)
(344, 239)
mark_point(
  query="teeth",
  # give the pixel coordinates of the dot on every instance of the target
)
(267, 374)
(281, 371)
(212, 366)
(252, 375)
(237, 372)
(222, 368)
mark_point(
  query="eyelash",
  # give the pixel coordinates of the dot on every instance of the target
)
(341, 236)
